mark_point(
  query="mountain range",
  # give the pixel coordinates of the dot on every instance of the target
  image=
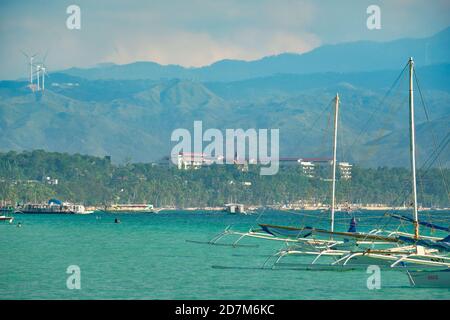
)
(129, 111)
(344, 57)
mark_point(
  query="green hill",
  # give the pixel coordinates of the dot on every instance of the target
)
(134, 119)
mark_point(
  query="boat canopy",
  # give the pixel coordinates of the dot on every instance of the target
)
(442, 245)
(294, 232)
(289, 232)
(422, 223)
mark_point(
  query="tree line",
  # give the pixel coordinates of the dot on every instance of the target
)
(96, 181)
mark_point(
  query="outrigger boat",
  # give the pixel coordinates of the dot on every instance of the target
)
(318, 238)
(392, 249)
(308, 234)
(418, 253)
(286, 233)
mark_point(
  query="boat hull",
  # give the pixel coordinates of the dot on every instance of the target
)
(128, 211)
(6, 219)
(430, 279)
(47, 212)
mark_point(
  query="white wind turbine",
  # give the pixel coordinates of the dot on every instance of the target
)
(43, 77)
(38, 70)
(44, 74)
(31, 58)
(41, 69)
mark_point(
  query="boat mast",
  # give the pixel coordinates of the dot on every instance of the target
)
(333, 192)
(412, 147)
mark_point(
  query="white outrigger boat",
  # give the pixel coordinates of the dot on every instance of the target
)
(410, 251)
(349, 250)
(294, 235)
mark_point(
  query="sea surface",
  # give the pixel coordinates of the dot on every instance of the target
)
(146, 256)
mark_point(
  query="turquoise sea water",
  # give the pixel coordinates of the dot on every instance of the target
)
(146, 256)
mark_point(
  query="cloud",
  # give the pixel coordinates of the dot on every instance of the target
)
(197, 32)
(200, 48)
(203, 33)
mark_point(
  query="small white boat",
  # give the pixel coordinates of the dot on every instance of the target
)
(430, 279)
(130, 208)
(6, 219)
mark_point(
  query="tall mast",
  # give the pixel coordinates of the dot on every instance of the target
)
(333, 192)
(412, 147)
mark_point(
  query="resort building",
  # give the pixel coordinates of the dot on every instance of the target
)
(345, 170)
(311, 167)
(308, 168)
(51, 181)
(195, 160)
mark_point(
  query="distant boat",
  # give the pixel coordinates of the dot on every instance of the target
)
(430, 279)
(53, 206)
(6, 219)
(5, 214)
(235, 208)
(130, 208)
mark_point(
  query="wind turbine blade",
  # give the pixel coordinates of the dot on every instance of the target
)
(45, 56)
(23, 52)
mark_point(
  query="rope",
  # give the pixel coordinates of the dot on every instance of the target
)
(433, 133)
(365, 127)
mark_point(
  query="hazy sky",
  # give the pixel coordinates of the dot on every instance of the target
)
(198, 32)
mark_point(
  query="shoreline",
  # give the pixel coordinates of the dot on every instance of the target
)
(282, 208)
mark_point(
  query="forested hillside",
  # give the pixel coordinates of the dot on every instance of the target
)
(94, 180)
